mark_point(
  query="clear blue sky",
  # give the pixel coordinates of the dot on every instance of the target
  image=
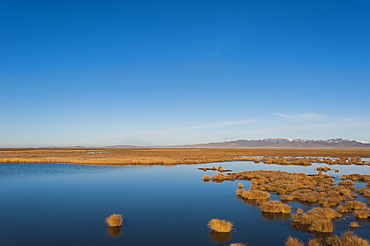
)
(99, 73)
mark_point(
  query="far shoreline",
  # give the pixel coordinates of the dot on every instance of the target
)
(164, 156)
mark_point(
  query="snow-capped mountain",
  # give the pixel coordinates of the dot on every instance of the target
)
(337, 143)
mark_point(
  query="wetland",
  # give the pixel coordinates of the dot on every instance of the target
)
(59, 203)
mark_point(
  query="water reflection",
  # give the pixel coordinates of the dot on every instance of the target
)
(279, 216)
(220, 237)
(114, 231)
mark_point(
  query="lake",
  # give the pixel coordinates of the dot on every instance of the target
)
(65, 204)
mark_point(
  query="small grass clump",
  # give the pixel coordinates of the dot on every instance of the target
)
(347, 239)
(252, 194)
(291, 241)
(354, 205)
(238, 244)
(206, 178)
(354, 224)
(317, 219)
(275, 207)
(114, 220)
(220, 225)
(240, 186)
(362, 213)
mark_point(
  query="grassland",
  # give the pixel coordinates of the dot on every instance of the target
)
(169, 156)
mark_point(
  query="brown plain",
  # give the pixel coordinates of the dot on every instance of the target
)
(160, 156)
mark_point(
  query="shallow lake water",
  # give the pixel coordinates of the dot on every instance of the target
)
(64, 204)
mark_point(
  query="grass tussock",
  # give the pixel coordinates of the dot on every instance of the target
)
(114, 220)
(275, 207)
(354, 205)
(219, 225)
(317, 219)
(291, 241)
(238, 244)
(347, 239)
(362, 213)
(354, 224)
(206, 178)
(253, 194)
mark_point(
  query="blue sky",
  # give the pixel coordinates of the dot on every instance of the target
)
(98, 73)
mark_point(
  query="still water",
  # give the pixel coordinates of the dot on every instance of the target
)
(64, 204)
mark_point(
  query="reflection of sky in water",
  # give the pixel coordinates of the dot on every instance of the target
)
(63, 204)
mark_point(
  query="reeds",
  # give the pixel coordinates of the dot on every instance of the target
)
(114, 220)
(347, 239)
(252, 194)
(362, 213)
(219, 225)
(291, 241)
(354, 224)
(275, 207)
(206, 178)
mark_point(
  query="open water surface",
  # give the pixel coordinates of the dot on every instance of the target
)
(64, 204)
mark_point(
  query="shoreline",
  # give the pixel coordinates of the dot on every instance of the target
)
(163, 156)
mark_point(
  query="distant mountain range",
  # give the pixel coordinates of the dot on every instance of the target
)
(337, 143)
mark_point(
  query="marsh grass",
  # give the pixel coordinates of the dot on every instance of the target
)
(317, 219)
(219, 225)
(347, 239)
(354, 224)
(275, 207)
(291, 241)
(170, 156)
(206, 178)
(114, 220)
(362, 213)
(252, 194)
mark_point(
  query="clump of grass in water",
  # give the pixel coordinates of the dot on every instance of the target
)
(354, 224)
(206, 178)
(347, 239)
(114, 220)
(362, 213)
(291, 241)
(238, 244)
(275, 207)
(220, 225)
(252, 194)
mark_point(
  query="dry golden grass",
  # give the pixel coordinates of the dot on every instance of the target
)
(362, 213)
(206, 178)
(171, 156)
(252, 194)
(347, 239)
(275, 207)
(317, 219)
(220, 225)
(238, 244)
(291, 241)
(114, 220)
(314, 242)
(354, 224)
(354, 205)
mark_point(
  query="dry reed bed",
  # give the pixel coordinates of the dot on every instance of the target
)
(346, 239)
(315, 189)
(169, 156)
